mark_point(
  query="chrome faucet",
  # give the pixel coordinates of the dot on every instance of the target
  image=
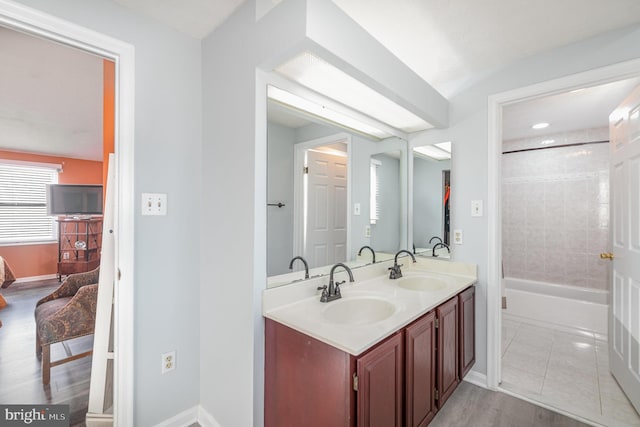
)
(372, 252)
(333, 292)
(435, 237)
(438, 245)
(395, 272)
(306, 266)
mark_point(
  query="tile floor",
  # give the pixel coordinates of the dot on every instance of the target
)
(565, 370)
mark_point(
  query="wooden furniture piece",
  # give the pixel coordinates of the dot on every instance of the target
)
(79, 242)
(401, 381)
(6, 274)
(68, 312)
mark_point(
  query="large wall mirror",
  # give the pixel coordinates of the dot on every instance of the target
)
(329, 193)
(431, 199)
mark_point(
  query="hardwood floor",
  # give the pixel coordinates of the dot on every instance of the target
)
(474, 406)
(20, 371)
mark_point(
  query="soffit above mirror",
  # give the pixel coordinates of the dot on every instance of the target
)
(313, 72)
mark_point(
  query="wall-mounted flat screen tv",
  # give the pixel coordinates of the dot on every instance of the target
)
(74, 199)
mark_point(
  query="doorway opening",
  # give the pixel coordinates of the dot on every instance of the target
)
(508, 236)
(38, 24)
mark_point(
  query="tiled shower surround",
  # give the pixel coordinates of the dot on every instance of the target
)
(555, 209)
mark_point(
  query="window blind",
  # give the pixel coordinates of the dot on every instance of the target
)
(374, 192)
(23, 203)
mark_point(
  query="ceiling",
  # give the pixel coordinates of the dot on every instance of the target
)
(452, 44)
(51, 100)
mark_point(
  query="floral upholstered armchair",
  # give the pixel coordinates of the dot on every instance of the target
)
(69, 312)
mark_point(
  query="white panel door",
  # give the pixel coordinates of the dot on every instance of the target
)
(624, 318)
(325, 240)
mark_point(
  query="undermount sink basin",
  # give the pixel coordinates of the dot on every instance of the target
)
(421, 283)
(358, 311)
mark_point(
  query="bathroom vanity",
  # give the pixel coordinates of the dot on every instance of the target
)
(389, 353)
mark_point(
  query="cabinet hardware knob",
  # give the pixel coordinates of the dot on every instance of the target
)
(606, 255)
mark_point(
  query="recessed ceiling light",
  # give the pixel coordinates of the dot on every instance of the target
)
(541, 125)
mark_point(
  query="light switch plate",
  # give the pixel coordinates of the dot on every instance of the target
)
(457, 237)
(154, 204)
(476, 208)
(356, 208)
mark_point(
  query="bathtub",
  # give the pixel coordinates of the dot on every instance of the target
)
(572, 307)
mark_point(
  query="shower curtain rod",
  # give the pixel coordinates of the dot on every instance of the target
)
(555, 146)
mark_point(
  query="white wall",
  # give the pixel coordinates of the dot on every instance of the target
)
(167, 159)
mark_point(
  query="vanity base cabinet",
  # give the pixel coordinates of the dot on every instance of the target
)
(310, 383)
(467, 304)
(402, 381)
(420, 377)
(379, 383)
(448, 356)
(307, 382)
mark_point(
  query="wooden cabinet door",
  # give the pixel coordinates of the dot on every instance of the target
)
(447, 318)
(380, 385)
(420, 377)
(467, 307)
(307, 382)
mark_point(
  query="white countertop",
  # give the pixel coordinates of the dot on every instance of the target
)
(298, 306)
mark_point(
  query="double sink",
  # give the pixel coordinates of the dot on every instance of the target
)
(371, 308)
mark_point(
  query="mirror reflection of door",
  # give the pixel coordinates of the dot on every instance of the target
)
(325, 206)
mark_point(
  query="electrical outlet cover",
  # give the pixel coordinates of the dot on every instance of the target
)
(168, 361)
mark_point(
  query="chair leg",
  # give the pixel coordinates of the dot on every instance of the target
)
(46, 364)
(38, 348)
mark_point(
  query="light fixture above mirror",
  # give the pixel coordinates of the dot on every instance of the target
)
(322, 77)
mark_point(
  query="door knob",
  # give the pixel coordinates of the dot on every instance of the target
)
(606, 255)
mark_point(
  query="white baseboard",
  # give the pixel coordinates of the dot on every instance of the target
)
(183, 419)
(186, 418)
(476, 378)
(205, 419)
(34, 278)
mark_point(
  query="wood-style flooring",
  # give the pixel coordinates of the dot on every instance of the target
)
(20, 371)
(473, 406)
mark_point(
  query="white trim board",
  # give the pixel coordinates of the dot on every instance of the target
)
(32, 21)
(620, 71)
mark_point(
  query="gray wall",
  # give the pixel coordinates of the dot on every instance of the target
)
(280, 140)
(167, 160)
(428, 203)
